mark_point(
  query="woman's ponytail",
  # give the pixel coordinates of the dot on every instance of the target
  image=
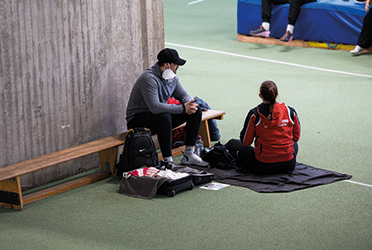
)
(269, 92)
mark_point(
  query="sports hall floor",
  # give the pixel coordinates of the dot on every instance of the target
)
(331, 92)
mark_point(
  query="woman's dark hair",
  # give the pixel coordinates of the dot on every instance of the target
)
(269, 92)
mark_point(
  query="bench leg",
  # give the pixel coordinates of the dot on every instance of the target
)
(204, 132)
(11, 194)
(108, 159)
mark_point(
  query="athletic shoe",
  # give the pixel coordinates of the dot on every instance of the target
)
(164, 165)
(260, 32)
(287, 37)
(193, 160)
(357, 50)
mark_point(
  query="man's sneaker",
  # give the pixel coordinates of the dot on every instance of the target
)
(287, 37)
(164, 165)
(357, 50)
(193, 160)
(260, 32)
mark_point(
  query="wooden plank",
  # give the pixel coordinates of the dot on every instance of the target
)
(270, 40)
(11, 206)
(83, 181)
(298, 43)
(204, 128)
(208, 114)
(213, 114)
(108, 159)
(156, 142)
(204, 133)
(13, 186)
(62, 156)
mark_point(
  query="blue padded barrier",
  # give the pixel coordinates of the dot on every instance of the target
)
(330, 21)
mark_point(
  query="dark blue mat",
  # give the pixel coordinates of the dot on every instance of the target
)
(331, 21)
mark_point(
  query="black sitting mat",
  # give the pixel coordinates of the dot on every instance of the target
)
(303, 176)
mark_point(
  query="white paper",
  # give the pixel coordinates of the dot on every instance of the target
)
(214, 186)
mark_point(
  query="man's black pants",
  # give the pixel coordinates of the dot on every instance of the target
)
(162, 125)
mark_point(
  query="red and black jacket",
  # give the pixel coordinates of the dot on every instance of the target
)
(273, 138)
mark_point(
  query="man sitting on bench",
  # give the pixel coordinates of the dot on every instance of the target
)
(147, 107)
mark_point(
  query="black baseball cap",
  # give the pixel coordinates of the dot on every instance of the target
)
(170, 56)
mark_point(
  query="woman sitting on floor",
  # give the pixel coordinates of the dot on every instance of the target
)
(275, 129)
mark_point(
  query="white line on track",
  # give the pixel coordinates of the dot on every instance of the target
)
(194, 2)
(279, 62)
(268, 60)
(359, 183)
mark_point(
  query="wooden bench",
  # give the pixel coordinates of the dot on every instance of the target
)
(107, 148)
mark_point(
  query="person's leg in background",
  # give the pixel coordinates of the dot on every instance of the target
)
(365, 36)
(294, 11)
(266, 7)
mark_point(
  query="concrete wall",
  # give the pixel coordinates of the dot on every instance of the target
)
(66, 71)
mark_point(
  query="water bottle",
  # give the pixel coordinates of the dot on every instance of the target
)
(199, 146)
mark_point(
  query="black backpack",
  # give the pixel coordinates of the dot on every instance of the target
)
(139, 151)
(219, 157)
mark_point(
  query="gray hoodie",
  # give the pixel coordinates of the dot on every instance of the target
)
(151, 93)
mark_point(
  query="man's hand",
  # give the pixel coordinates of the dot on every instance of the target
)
(191, 107)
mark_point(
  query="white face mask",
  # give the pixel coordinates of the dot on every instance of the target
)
(168, 74)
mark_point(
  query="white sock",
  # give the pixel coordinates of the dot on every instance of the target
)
(290, 28)
(266, 25)
(169, 158)
(189, 150)
(358, 48)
